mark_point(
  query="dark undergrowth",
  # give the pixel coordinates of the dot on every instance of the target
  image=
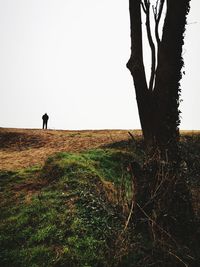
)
(75, 211)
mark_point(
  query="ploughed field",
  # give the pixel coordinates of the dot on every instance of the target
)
(21, 148)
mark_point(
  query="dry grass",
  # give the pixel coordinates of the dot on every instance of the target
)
(21, 148)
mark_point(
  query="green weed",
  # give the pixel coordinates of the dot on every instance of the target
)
(61, 215)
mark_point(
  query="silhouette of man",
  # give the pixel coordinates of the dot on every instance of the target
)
(45, 118)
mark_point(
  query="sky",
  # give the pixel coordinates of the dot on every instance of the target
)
(68, 58)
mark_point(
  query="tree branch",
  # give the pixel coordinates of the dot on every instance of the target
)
(157, 16)
(151, 44)
(135, 63)
(136, 67)
(143, 7)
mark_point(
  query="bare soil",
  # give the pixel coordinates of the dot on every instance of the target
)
(21, 148)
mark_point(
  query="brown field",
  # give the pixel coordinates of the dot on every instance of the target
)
(20, 148)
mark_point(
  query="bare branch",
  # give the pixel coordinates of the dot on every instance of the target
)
(157, 17)
(143, 7)
(178, 258)
(156, 224)
(155, 10)
(147, 4)
(151, 44)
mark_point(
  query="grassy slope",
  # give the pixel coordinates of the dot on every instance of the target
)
(69, 212)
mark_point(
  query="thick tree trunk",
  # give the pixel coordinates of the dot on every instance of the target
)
(168, 75)
(158, 108)
(163, 198)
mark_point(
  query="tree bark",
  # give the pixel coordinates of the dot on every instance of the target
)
(136, 67)
(168, 74)
(159, 108)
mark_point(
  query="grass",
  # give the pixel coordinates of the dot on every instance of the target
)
(69, 212)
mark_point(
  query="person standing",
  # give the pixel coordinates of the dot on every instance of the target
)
(45, 118)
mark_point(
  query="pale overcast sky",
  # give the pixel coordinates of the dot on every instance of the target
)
(68, 58)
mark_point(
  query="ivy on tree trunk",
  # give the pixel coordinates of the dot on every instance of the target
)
(163, 199)
(158, 100)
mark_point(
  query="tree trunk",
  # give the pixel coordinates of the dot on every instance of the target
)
(168, 75)
(158, 108)
(163, 198)
(136, 67)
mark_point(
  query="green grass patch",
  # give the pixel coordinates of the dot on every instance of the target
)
(64, 214)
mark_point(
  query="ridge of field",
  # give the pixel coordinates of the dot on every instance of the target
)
(21, 148)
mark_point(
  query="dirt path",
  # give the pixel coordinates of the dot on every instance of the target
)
(21, 148)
